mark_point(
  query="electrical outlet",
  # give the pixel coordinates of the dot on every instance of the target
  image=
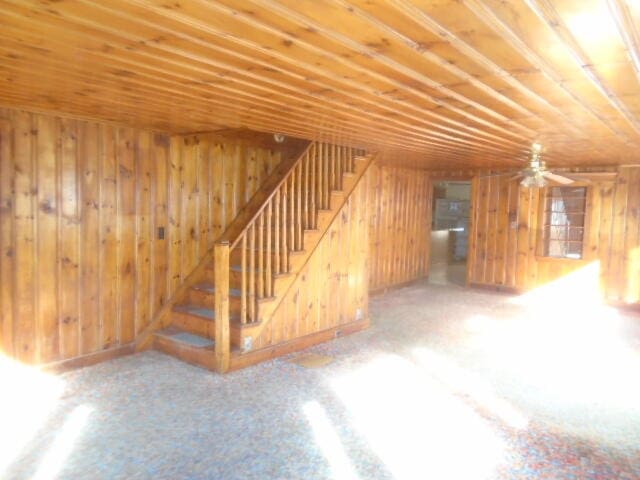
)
(359, 314)
(247, 344)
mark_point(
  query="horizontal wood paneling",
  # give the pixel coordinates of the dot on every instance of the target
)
(81, 266)
(503, 242)
(437, 84)
(400, 224)
(332, 286)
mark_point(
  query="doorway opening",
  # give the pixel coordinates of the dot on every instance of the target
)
(450, 233)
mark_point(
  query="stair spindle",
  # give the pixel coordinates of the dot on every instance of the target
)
(306, 221)
(283, 230)
(292, 217)
(299, 210)
(312, 180)
(261, 254)
(325, 177)
(268, 272)
(339, 167)
(276, 232)
(252, 273)
(243, 276)
(332, 167)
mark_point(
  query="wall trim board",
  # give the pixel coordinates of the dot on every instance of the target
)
(497, 288)
(241, 361)
(391, 288)
(88, 360)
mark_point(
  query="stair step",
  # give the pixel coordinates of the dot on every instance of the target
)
(197, 310)
(210, 288)
(190, 348)
(186, 338)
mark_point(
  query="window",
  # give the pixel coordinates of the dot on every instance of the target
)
(564, 221)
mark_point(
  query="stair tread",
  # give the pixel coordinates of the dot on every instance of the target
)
(182, 336)
(198, 310)
(209, 287)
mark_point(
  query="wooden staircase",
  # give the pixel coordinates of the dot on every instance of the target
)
(230, 297)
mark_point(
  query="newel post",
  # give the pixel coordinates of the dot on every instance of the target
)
(221, 281)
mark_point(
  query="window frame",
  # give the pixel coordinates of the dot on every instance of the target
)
(542, 245)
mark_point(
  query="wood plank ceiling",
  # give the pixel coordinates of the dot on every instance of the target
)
(439, 83)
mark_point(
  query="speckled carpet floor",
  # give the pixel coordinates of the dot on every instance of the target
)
(448, 383)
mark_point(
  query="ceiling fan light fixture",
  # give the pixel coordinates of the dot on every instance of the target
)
(534, 181)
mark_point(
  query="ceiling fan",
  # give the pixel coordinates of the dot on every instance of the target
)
(536, 174)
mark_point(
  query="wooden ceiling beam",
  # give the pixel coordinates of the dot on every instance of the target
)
(451, 137)
(435, 59)
(502, 29)
(626, 27)
(453, 140)
(383, 59)
(424, 20)
(453, 124)
(547, 12)
(380, 94)
(444, 84)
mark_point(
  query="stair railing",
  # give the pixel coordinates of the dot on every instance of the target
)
(261, 243)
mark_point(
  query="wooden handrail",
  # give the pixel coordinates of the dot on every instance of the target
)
(288, 204)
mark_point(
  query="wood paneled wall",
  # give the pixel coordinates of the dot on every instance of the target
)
(400, 225)
(333, 285)
(81, 266)
(503, 240)
(216, 179)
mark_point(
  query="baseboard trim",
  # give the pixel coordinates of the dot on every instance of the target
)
(88, 359)
(497, 288)
(390, 288)
(247, 359)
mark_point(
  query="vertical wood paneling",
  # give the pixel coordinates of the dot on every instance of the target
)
(68, 244)
(47, 239)
(611, 236)
(127, 253)
(330, 278)
(631, 263)
(160, 278)
(7, 254)
(143, 232)
(81, 266)
(88, 155)
(108, 253)
(400, 222)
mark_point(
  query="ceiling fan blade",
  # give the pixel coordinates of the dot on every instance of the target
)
(593, 176)
(557, 178)
(495, 175)
(518, 175)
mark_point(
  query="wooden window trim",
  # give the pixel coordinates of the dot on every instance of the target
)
(540, 239)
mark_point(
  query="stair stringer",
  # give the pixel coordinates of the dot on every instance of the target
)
(313, 239)
(162, 317)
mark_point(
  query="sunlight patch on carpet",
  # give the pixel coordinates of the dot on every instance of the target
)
(312, 360)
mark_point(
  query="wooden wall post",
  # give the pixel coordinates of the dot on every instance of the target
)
(221, 281)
